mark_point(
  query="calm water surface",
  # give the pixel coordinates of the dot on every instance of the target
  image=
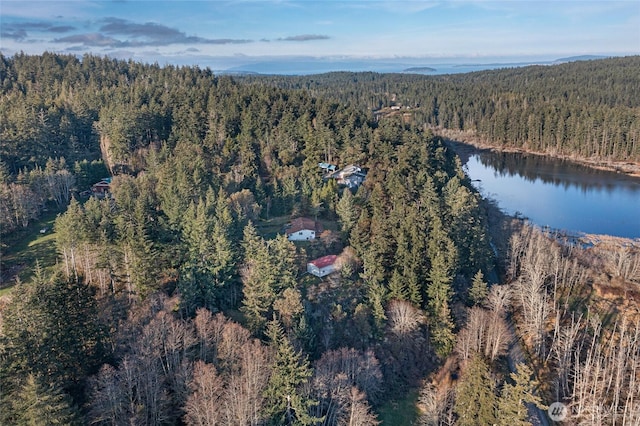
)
(557, 193)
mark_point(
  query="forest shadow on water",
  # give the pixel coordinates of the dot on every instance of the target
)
(556, 193)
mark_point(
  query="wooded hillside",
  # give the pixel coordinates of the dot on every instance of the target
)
(202, 167)
(587, 109)
(179, 297)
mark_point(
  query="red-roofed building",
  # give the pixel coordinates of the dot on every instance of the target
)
(322, 266)
(303, 229)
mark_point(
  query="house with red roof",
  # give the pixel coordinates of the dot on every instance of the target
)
(303, 229)
(323, 266)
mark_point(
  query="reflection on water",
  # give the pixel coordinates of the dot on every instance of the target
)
(557, 193)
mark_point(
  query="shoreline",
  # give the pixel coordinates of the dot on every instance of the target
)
(576, 238)
(579, 238)
(628, 168)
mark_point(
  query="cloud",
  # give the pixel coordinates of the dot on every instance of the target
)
(18, 35)
(19, 30)
(60, 29)
(305, 37)
(92, 39)
(75, 49)
(223, 41)
(402, 7)
(28, 25)
(132, 34)
(149, 30)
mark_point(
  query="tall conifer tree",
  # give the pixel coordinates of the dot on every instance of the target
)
(475, 398)
(287, 404)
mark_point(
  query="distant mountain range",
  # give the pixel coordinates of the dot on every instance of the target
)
(312, 65)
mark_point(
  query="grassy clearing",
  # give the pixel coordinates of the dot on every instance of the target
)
(26, 248)
(270, 228)
(329, 225)
(399, 412)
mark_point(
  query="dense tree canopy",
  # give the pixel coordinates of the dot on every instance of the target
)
(588, 109)
(178, 298)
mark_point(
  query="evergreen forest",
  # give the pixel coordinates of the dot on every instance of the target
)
(177, 298)
(583, 109)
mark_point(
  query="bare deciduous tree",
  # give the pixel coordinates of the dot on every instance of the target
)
(499, 299)
(403, 317)
(244, 366)
(336, 373)
(605, 385)
(108, 401)
(244, 205)
(244, 397)
(234, 337)
(436, 406)
(205, 405)
(624, 262)
(60, 184)
(209, 333)
(529, 290)
(358, 411)
(498, 337)
(24, 204)
(471, 338)
(563, 347)
(289, 306)
(485, 332)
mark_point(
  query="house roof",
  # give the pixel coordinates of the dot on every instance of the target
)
(324, 261)
(327, 166)
(103, 182)
(346, 172)
(350, 169)
(302, 223)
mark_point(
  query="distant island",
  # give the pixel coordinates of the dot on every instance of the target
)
(419, 70)
(238, 73)
(579, 58)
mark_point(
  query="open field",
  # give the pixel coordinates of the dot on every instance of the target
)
(26, 248)
(399, 412)
(271, 227)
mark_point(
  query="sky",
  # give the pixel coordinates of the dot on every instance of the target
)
(222, 34)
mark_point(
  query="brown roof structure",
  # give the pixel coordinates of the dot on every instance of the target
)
(302, 223)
